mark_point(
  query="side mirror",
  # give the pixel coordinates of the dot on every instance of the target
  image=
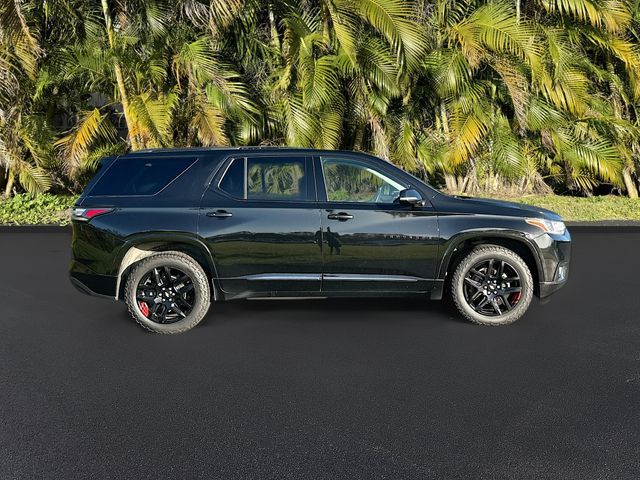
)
(411, 197)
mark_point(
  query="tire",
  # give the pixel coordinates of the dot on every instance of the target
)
(468, 286)
(159, 275)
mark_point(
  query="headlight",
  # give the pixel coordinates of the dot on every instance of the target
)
(550, 226)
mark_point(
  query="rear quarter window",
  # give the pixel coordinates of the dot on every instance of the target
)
(140, 176)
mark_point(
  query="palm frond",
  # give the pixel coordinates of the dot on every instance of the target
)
(33, 179)
(208, 123)
(469, 127)
(320, 82)
(152, 115)
(16, 32)
(612, 15)
(505, 150)
(331, 131)
(393, 19)
(493, 28)
(379, 65)
(92, 126)
(450, 69)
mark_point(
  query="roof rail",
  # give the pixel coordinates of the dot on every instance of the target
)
(205, 149)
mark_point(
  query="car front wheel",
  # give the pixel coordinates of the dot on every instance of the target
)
(492, 285)
(167, 293)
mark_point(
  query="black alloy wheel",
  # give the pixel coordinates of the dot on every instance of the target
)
(492, 287)
(165, 295)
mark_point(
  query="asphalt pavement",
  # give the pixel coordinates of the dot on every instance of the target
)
(323, 389)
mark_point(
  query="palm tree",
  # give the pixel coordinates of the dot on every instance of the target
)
(24, 133)
(512, 100)
(481, 95)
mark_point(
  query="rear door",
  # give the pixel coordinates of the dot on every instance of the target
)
(261, 221)
(370, 242)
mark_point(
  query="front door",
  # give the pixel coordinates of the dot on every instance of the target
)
(261, 221)
(369, 241)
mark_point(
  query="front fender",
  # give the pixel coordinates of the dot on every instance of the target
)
(452, 243)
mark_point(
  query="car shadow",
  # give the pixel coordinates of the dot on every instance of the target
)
(332, 310)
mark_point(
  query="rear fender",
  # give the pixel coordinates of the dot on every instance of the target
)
(139, 247)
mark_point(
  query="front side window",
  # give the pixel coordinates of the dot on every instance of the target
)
(351, 181)
(266, 178)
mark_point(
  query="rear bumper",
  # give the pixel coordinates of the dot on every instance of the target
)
(91, 283)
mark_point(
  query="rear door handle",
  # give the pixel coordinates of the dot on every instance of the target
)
(220, 214)
(342, 216)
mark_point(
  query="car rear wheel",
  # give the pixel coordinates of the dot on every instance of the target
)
(168, 293)
(492, 285)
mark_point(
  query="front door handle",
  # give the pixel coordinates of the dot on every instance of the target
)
(220, 214)
(342, 216)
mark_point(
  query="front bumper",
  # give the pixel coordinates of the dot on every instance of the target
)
(555, 256)
(547, 288)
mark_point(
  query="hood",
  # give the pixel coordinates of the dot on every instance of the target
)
(487, 206)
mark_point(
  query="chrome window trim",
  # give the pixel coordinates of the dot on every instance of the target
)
(278, 276)
(245, 193)
(327, 276)
(370, 278)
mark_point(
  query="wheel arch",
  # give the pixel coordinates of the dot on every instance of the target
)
(457, 247)
(143, 246)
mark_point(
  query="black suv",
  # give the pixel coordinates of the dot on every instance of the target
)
(169, 231)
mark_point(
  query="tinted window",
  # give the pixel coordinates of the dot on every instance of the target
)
(140, 176)
(349, 181)
(232, 182)
(268, 178)
(276, 179)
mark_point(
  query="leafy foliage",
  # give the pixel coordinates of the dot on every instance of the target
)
(473, 95)
(45, 209)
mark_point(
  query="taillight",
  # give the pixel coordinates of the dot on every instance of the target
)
(85, 214)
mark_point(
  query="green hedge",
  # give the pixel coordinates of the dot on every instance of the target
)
(54, 209)
(606, 207)
(45, 209)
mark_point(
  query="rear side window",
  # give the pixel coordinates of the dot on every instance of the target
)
(140, 176)
(274, 179)
(266, 178)
(233, 180)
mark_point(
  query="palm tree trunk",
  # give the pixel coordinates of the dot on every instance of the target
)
(358, 136)
(616, 102)
(451, 183)
(9, 187)
(275, 39)
(568, 175)
(632, 189)
(124, 98)
(464, 184)
(126, 109)
(444, 119)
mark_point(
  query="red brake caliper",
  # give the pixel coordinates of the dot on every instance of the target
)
(144, 308)
(515, 297)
